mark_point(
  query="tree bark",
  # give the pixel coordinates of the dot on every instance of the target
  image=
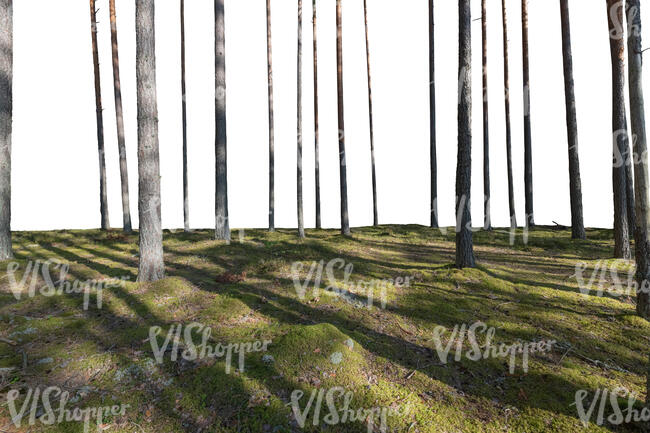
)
(528, 155)
(487, 222)
(186, 191)
(222, 230)
(432, 119)
(301, 221)
(121, 146)
(464, 242)
(575, 183)
(269, 59)
(375, 216)
(506, 85)
(316, 125)
(345, 223)
(619, 128)
(103, 199)
(6, 114)
(152, 267)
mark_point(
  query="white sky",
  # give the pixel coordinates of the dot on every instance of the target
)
(55, 174)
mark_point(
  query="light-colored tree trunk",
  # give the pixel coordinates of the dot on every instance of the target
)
(345, 222)
(186, 191)
(487, 219)
(375, 215)
(269, 59)
(152, 267)
(316, 125)
(222, 230)
(433, 159)
(301, 220)
(6, 114)
(528, 148)
(506, 86)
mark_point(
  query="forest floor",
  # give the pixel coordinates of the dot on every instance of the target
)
(379, 347)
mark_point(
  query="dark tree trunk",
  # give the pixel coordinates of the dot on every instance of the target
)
(629, 187)
(269, 59)
(121, 146)
(186, 191)
(222, 230)
(6, 112)
(487, 223)
(464, 243)
(432, 119)
(152, 267)
(375, 216)
(103, 199)
(301, 221)
(528, 156)
(316, 132)
(575, 183)
(619, 127)
(345, 223)
(506, 85)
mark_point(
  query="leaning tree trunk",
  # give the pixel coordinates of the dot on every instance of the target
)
(464, 243)
(487, 223)
(506, 85)
(528, 158)
(316, 126)
(222, 230)
(103, 199)
(619, 127)
(345, 223)
(269, 59)
(186, 192)
(375, 217)
(301, 220)
(575, 184)
(432, 119)
(6, 110)
(152, 267)
(119, 117)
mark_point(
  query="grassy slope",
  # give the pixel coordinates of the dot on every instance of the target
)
(526, 292)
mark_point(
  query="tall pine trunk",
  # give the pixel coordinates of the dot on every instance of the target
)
(152, 267)
(528, 155)
(487, 222)
(619, 128)
(186, 191)
(343, 177)
(269, 59)
(316, 125)
(506, 86)
(464, 243)
(6, 114)
(222, 227)
(119, 117)
(432, 119)
(575, 183)
(375, 216)
(301, 221)
(103, 199)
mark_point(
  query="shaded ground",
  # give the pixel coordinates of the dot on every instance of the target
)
(386, 357)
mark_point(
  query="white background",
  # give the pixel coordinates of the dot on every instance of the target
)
(55, 174)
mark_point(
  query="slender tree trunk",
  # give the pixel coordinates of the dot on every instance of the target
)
(375, 216)
(301, 221)
(345, 223)
(487, 223)
(619, 127)
(103, 199)
(528, 155)
(269, 58)
(124, 172)
(464, 242)
(432, 119)
(637, 119)
(186, 191)
(575, 183)
(222, 230)
(629, 187)
(6, 113)
(152, 267)
(506, 85)
(316, 125)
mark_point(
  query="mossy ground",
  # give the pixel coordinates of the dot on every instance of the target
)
(386, 356)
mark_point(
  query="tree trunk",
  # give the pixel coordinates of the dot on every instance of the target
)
(301, 221)
(629, 187)
(464, 243)
(506, 85)
(121, 146)
(222, 230)
(6, 112)
(345, 223)
(487, 223)
(432, 119)
(186, 192)
(269, 58)
(528, 158)
(103, 200)
(375, 217)
(316, 132)
(575, 183)
(619, 127)
(152, 267)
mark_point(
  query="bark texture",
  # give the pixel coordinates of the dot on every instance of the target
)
(432, 119)
(269, 59)
(301, 219)
(343, 177)
(375, 215)
(316, 125)
(528, 148)
(487, 218)
(6, 114)
(506, 86)
(186, 191)
(222, 230)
